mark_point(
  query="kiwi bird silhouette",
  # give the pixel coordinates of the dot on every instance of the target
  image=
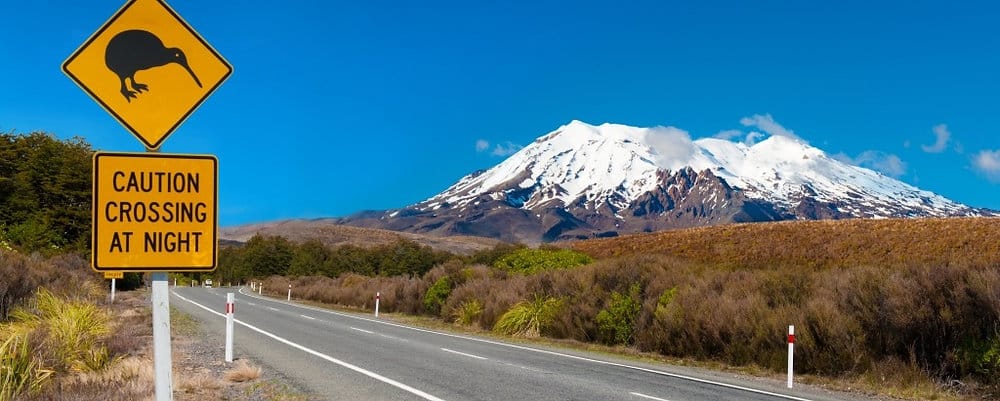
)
(136, 50)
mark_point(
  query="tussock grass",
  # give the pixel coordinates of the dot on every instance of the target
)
(19, 372)
(243, 371)
(529, 319)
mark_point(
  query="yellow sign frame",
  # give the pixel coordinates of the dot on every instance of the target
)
(148, 40)
(154, 212)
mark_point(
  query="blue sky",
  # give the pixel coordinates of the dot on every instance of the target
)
(335, 107)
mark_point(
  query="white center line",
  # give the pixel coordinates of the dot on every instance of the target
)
(649, 397)
(273, 309)
(463, 354)
(308, 317)
(362, 330)
(251, 304)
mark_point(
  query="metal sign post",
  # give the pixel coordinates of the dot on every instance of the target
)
(162, 361)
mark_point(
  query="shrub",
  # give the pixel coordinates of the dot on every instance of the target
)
(437, 295)
(529, 261)
(529, 319)
(616, 323)
(981, 358)
(468, 312)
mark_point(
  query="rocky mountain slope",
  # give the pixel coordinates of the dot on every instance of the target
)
(584, 181)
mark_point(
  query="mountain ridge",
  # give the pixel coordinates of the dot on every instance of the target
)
(584, 181)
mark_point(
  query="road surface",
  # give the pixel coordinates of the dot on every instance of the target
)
(342, 356)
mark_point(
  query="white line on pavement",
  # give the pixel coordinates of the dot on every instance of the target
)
(543, 351)
(331, 359)
(362, 330)
(308, 317)
(463, 354)
(649, 397)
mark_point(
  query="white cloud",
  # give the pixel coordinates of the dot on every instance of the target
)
(482, 145)
(673, 146)
(728, 134)
(505, 149)
(987, 162)
(752, 138)
(885, 163)
(767, 124)
(943, 136)
(888, 164)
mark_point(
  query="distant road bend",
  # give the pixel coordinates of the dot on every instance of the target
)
(342, 356)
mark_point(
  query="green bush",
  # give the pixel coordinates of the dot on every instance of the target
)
(468, 312)
(437, 295)
(529, 319)
(616, 323)
(529, 261)
(981, 358)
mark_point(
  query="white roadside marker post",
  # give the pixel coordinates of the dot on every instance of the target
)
(162, 362)
(791, 352)
(260, 289)
(289, 293)
(230, 310)
(112, 290)
(378, 295)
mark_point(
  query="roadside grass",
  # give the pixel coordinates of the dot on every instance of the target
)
(243, 371)
(273, 390)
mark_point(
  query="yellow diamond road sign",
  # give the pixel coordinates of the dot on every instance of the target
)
(154, 212)
(148, 68)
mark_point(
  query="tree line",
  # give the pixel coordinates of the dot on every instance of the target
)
(264, 256)
(45, 187)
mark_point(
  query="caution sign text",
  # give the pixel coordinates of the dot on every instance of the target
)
(154, 212)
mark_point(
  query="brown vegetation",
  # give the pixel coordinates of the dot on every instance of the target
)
(818, 244)
(332, 234)
(864, 296)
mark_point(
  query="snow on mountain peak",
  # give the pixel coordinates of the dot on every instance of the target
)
(619, 163)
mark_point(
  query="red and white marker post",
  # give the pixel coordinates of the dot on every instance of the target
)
(791, 352)
(230, 310)
(378, 295)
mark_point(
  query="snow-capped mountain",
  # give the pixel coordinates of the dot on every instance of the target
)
(582, 181)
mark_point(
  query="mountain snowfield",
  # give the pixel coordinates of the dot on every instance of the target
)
(584, 181)
(617, 164)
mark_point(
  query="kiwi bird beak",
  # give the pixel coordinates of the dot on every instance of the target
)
(192, 74)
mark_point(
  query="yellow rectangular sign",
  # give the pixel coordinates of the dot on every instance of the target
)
(114, 275)
(154, 212)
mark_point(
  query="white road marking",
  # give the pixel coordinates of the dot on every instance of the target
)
(649, 397)
(331, 359)
(463, 354)
(395, 338)
(308, 317)
(251, 304)
(362, 330)
(273, 309)
(547, 352)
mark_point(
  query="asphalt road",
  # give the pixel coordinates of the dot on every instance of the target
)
(356, 357)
